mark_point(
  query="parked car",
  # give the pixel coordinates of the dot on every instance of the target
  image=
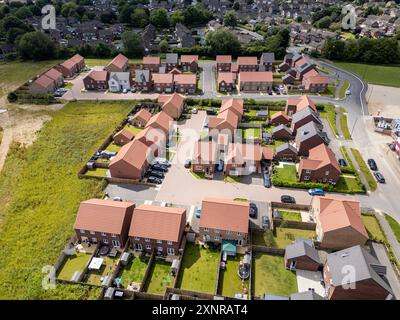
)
(195, 111)
(117, 199)
(265, 222)
(316, 192)
(188, 163)
(162, 161)
(267, 179)
(197, 212)
(372, 165)
(288, 199)
(159, 167)
(253, 210)
(153, 179)
(392, 146)
(220, 166)
(211, 111)
(124, 91)
(379, 177)
(348, 92)
(342, 163)
(157, 174)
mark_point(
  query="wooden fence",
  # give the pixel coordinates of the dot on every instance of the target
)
(268, 250)
(294, 224)
(291, 206)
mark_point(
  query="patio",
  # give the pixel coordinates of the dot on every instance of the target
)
(108, 266)
(310, 279)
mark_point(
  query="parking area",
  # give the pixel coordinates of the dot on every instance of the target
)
(307, 280)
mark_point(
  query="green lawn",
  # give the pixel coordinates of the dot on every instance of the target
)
(281, 238)
(364, 169)
(330, 92)
(198, 175)
(230, 281)
(15, 73)
(394, 225)
(290, 215)
(134, 271)
(113, 147)
(107, 269)
(76, 262)
(343, 88)
(36, 215)
(287, 173)
(329, 113)
(344, 124)
(159, 277)
(251, 133)
(94, 62)
(276, 143)
(198, 269)
(388, 75)
(98, 172)
(230, 179)
(373, 228)
(134, 130)
(271, 277)
(349, 184)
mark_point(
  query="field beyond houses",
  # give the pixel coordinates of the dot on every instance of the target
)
(36, 215)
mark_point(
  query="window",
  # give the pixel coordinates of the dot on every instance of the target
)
(148, 247)
(206, 230)
(216, 238)
(113, 235)
(306, 178)
(104, 234)
(147, 240)
(159, 241)
(169, 242)
(105, 241)
(82, 231)
(92, 232)
(170, 251)
(327, 173)
(94, 240)
(239, 234)
(137, 238)
(217, 231)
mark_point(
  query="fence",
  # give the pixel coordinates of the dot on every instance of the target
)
(218, 282)
(291, 206)
(294, 224)
(146, 274)
(268, 250)
(181, 249)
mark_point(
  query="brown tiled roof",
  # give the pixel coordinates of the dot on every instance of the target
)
(151, 60)
(53, 74)
(189, 58)
(98, 75)
(227, 215)
(311, 73)
(247, 61)
(44, 81)
(268, 153)
(227, 77)
(134, 153)
(124, 133)
(234, 67)
(151, 135)
(77, 58)
(68, 64)
(205, 152)
(102, 215)
(119, 61)
(159, 223)
(235, 105)
(319, 157)
(305, 102)
(280, 114)
(224, 59)
(162, 119)
(175, 100)
(185, 78)
(142, 114)
(230, 117)
(264, 76)
(163, 78)
(175, 71)
(318, 79)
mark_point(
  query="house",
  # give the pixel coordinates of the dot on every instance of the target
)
(286, 152)
(153, 138)
(175, 71)
(119, 81)
(315, 83)
(79, 61)
(205, 157)
(288, 79)
(131, 162)
(56, 76)
(119, 64)
(122, 137)
(279, 118)
(308, 137)
(247, 64)
(224, 63)
(184, 36)
(157, 229)
(222, 220)
(151, 63)
(96, 80)
(104, 221)
(185, 83)
(189, 63)
(296, 105)
(68, 68)
(172, 104)
(226, 81)
(301, 255)
(42, 85)
(339, 223)
(282, 132)
(303, 117)
(255, 81)
(171, 61)
(226, 122)
(236, 105)
(142, 80)
(163, 82)
(368, 279)
(161, 121)
(267, 61)
(140, 118)
(320, 166)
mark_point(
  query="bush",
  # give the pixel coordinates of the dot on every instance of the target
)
(12, 97)
(348, 170)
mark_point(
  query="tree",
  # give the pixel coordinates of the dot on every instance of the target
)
(139, 18)
(164, 46)
(196, 15)
(36, 46)
(159, 18)
(177, 17)
(108, 17)
(23, 13)
(13, 33)
(236, 6)
(222, 42)
(230, 19)
(12, 22)
(125, 13)
(133, 46)
(324, 23)
(68, 9)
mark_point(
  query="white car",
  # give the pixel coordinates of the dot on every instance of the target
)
(348, 92)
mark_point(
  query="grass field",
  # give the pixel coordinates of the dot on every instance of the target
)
(36, 222)
(282, 237)
(343, 88)
(290, 215)
(134, 271)
(380, 75)
(344, 124)
(15, 73)
(271, 277)
(329, 113)
(198, 269)
(159, 277)
(364, 169)
(394, 225)
(76, 262)
(230, 281)
(373, 228)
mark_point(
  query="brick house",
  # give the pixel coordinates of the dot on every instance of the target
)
(153, 138)
(223, 219)
(282, 132)
(308, 137)
(96, 80)
(161, 121)
(236, 105)
(42, 85)
(157, 229)
(317, 83)
(163, 82)
(226, 81)
(320, 166)
(122, 137)
(189, 63)
(104, 221)
(205, 157)
(301, 255)
(286, 152)
(255, 81)
(171, 61)
(267, 61)
(79, 61)
(369, 280)
(224, 63)
(119, 64)
(303, 117)
(294, 105)
(247, 64)
(68, 68)
(151, 63)
(143, 80)
(185, 83)
(172, 104)
(279, 118)
(225, 122)
(56, 76)
(140, 118)
(339, 223)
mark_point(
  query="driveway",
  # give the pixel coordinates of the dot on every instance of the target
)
(132, 192)
(207, 77)
(310, 280)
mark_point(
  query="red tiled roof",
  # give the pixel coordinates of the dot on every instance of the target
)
(224, 59)
(124, 133)
(174, 100)
(161, 119)
(305, 102)
(189, 58)
(167, 78)
(264, 76)
(68, 64)
(77, 58)
(142, 114)
(247, 61)
(98, 75)
(235, 105)
(227, 77)
(119, 61)
(53, 74)
(319, 157)
(151, 60)
(134, 153)
(44, 81)
(280, 114)
(185, 78)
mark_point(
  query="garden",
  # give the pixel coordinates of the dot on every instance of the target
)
(134, 271)
(159, 277)
(230, 282)
(281, 237)
(95, 277)
(75, 262)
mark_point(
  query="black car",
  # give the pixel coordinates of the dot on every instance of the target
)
(154, 180)
(287, 199)
(211, 112)
(342, 163)
(253, 211)
(157, 174)
(188, 163)
(267, 179)
(379, 177)
(372, 165)
(159, 167)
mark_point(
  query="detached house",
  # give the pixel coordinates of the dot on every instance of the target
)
(104, 221)
(205, 157)
(226, 122)
(224, 220)
(286, 152)
(96, 80)
(339, 223)
(267, 61)
(172, 104)
(142, 80)
(122, 137)
(185, 83)
(320, 166)
(161, 121)
(224, 63)
(189, 63)
(151, 63)
(119, 81)
(226, 81)
(119, 64)
(235, 105)
(140, 118)
(282, 132)
(302, 255)
(296, 105)
(315, 83)
(303, 117)
(157, 229)
(279, 118)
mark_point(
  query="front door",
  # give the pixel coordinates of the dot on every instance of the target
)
(116, 243)
(293, 265)
(138, 246)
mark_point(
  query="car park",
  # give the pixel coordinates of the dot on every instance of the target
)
(157, 174)
(316, 192)
(162, 161)
(372, 165)
(342, 163)
(155, 180)
(265, 222)
(159, 167)
(288, 199)
(253, 210)
(379, 177)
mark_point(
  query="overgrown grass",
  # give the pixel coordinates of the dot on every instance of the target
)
(329, 113)
(344, 124)
(364, 169)
(40, 194)
(373, 227)
(76, 262)
(394, 225)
